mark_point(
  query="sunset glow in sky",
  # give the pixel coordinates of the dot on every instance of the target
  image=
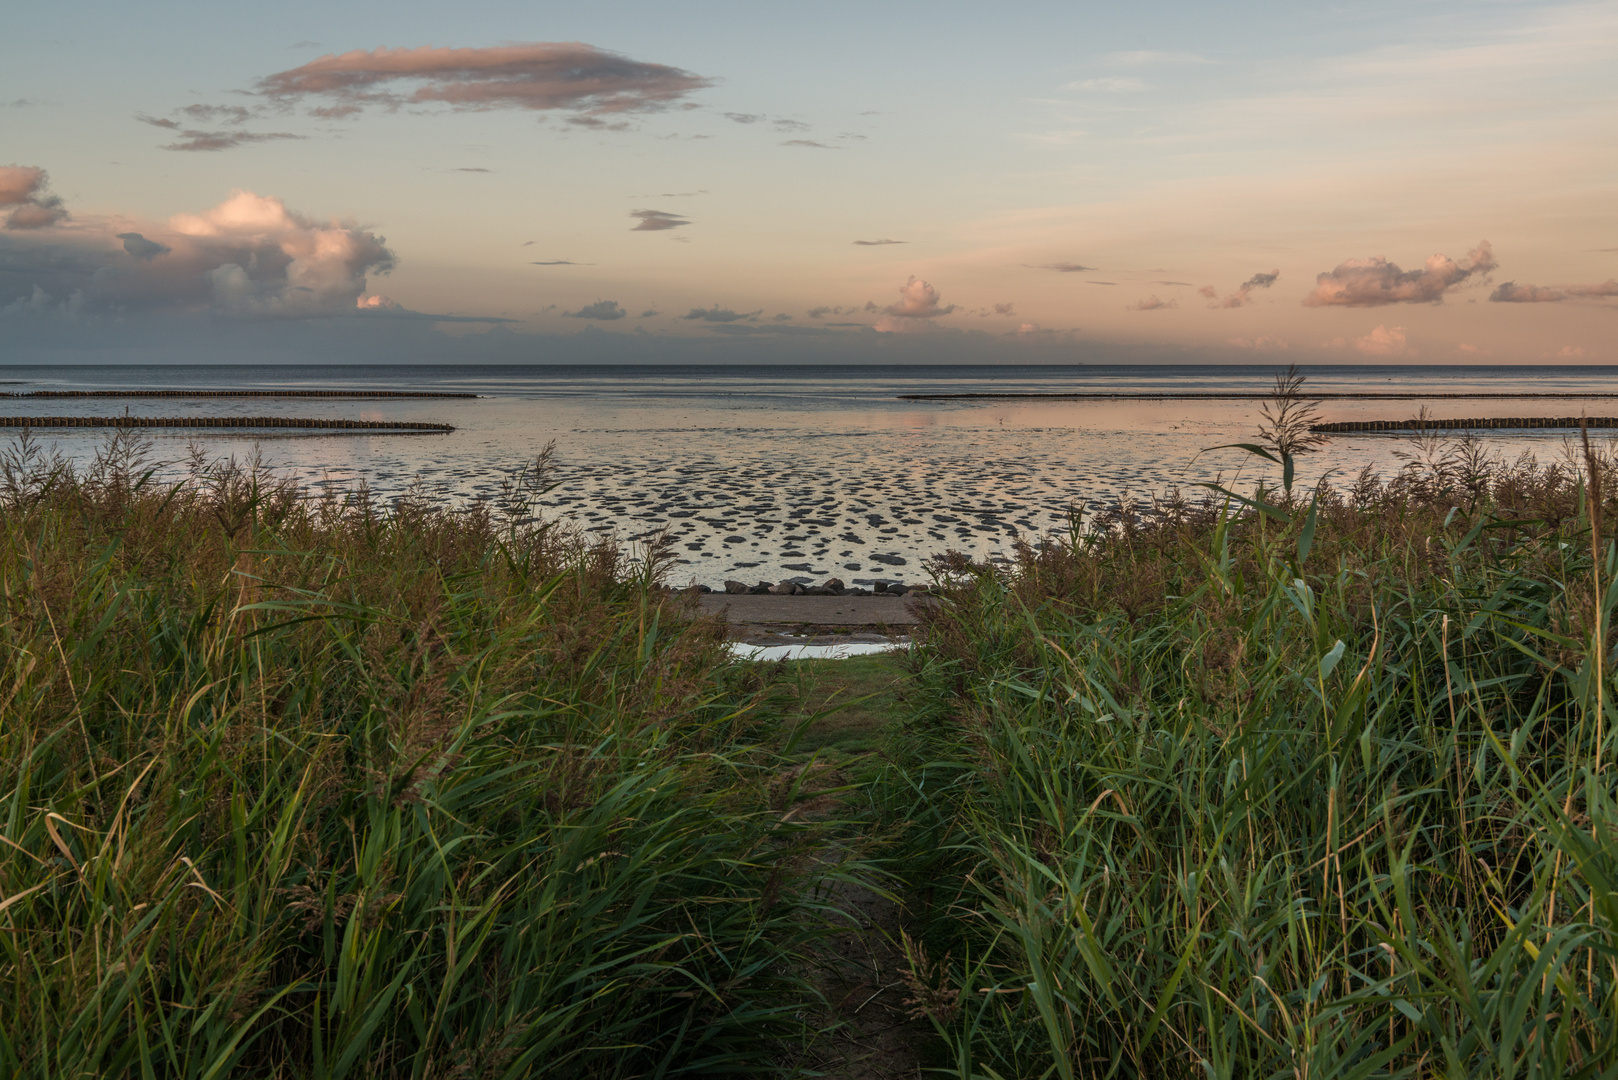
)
(841, 183)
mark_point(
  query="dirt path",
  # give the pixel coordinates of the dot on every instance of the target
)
(869, 1034)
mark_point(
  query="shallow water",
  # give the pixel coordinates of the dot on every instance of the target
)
(764, 473)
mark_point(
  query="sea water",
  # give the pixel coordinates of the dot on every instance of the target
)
(764, 473)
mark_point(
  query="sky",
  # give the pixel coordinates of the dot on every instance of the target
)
(1425, 182)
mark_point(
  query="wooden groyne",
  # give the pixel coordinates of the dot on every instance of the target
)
(344, 394)
(254, 422)
(1344, 427)
(1259, 395)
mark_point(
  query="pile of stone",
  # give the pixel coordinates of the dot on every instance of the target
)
(832, 587)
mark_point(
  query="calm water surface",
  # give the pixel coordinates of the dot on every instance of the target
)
(764, 473)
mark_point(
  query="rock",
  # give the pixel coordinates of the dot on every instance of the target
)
(835, 584)
(735, 588)
(888, 560)
(786, 588)
(761, 588)
(856, 592)
(819, 590)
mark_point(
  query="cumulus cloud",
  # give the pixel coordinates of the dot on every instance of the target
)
(248, 256)
(1242, 296)
(821, 312)
(140, 247)
(1060, 267)
(744, 118)
(917, 300)
(717, 314)
(1152, 303)
(1512, 293)
(1375, 282)
(781, 316)
(1004, 309)
(603, 310)
(1208, 292)
(23, 188)
(542, 76)
(656, 220)
(649, 312)
(1567, 352)
(877, 243)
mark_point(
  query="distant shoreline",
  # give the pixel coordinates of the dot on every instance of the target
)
(1253, 395)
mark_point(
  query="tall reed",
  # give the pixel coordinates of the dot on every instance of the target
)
(325, 787)
(1286, 786)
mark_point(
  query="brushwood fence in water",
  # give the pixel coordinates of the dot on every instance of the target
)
(237, 394)
(255, 422)
(1342, 427)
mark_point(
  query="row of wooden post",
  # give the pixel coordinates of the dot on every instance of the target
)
(216, 422)
(1343, 427)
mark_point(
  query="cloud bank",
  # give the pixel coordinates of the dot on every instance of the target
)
(717, 314)
(249, 256)
(601, 310)
(1375, 282)
(1512, 293)
(540, 76)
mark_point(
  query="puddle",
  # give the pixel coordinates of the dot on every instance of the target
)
(742, 651)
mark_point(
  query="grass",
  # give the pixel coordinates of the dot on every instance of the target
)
(1308, 784)
(311, 787)
(1285, 786)
(851, 704)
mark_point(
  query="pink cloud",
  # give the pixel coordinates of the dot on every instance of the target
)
(540, 75)
(917, 300)
(248, 256)
(18, 183)
(1152, 303)
(23, 187)
(1260, 344)
(1375, 282)
(1241, 297)
(1385, 341)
